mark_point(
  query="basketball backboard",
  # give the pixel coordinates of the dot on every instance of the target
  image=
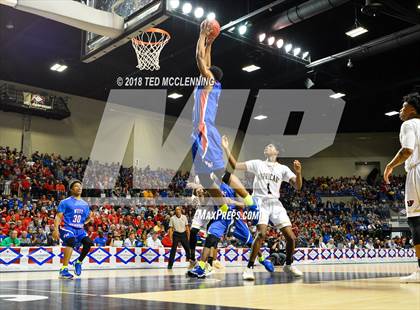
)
(138, 15)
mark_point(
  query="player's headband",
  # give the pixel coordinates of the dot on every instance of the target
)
(74, 181)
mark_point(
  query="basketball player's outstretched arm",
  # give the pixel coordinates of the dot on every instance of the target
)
(232, 160)
(201, 52)
(297, 182)
(209, 43)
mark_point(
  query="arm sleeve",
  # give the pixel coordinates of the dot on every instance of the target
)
(408, 136)
(252, 165)
(288, 174)
(61, 207)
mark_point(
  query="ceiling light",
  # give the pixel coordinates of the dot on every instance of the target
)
(271, 40)
(261, 37)
(280, 43)
(260, 117)
(58, 67)
(199, 12)
(392, 113)
(55, 67)
(288, 47)
(305, 55)
(187, 8)
(174, 4)
(242, 29)
(251, 68)
(296, 51)
(337, 95)
(175, 96)
(62, 68)
(211, 16)
(10, 26)
(356, 32)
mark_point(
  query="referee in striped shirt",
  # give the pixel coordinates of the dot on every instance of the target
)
(179, 231)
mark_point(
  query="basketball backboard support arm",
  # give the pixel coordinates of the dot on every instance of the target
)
(74, 14)
(138, 15)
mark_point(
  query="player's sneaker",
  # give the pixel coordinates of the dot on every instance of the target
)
(412, 278)
(197, 272)
(268, 265)
(208, 270)
(248, 274)
(65, 274)
(78, 268)
(292, 270)
(217, 264)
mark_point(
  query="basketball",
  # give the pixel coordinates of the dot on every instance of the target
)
(215, 28)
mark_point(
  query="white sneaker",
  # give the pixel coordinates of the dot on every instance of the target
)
(248, 274)
(208, 270)
(292, 270)
(217, 264)
(412, 278)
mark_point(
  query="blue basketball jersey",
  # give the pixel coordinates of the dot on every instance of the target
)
(227, 190)
(206, 103)
(75, 212)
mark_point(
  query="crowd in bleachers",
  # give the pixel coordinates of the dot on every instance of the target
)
(31, 188)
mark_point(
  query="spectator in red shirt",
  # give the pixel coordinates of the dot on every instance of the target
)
(149, 223)
(4, 227)
(60, 188)
(26, 184)
(92, 234)
(166, 241)
(14, 187)
(19, 227)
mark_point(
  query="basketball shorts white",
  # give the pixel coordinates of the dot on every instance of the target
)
(272, 210)
(412, 192)
(202, 217)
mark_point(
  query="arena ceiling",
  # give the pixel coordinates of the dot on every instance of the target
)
(374, 83)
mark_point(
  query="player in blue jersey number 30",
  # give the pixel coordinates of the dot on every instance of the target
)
(74, 212)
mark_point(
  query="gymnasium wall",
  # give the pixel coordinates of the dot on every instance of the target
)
(75, 136)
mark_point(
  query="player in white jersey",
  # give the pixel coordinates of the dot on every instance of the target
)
(269, 175)
(202, 216)
(410, 155)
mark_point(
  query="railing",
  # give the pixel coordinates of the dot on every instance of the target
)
(50, 258)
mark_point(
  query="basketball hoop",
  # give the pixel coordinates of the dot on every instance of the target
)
(148, 45)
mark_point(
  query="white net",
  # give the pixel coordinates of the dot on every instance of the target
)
(148, 45)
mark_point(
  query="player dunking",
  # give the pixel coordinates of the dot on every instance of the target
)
(410, 154)
(75, 213)
(269, 175)
(206, 141)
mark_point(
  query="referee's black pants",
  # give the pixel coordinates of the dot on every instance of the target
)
(179, 237)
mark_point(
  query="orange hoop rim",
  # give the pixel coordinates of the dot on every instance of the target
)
(158, 30)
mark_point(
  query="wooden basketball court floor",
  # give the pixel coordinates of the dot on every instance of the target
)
(345, 286)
